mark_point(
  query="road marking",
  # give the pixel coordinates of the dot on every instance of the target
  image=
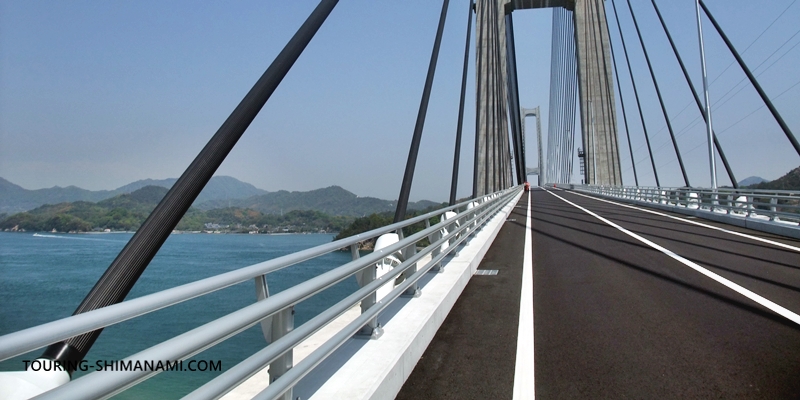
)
(716, 228)
(733, 286)
(523, 370)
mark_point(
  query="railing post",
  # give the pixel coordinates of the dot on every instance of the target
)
(282, 325)
(462, 218)
(433, 238)
(274, 328)
(452, 227)
(475, 214)
(408, 252)
(469, 215)
(714, 200)
(773, 202)
(372, 329)
(262, 292)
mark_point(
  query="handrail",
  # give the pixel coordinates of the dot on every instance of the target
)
(107, 383)
(280, 386)
(253, 364)
(20, 342)
(774, 205)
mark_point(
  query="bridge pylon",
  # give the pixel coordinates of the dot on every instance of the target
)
(592, 65)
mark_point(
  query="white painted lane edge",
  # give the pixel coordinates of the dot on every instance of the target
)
(716, 228)
(729, 284)
(523, 369)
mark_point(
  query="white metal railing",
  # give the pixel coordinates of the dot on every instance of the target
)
(773, 205)
(444, 237)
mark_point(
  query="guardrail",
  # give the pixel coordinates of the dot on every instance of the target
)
(768, 205)
(444, 237)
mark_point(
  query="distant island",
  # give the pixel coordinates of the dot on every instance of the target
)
(225, 205)
(14, 198)
(220, 192)
(330, 209)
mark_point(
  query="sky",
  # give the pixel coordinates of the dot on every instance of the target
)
(100, 94)
(766, 37)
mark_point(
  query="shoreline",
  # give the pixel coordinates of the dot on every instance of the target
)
(172, 233)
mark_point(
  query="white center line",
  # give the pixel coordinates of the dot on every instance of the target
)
(716, 228)
(729, 284)
(523, 370)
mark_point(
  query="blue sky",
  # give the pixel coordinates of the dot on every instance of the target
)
(99, 94)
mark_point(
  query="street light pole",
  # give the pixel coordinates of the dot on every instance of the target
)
(711, 158)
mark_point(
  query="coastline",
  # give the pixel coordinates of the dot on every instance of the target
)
(41, 233)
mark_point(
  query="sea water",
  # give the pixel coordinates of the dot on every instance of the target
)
(44, 277)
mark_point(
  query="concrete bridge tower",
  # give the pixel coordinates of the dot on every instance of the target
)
(595, 84)
(596, 88)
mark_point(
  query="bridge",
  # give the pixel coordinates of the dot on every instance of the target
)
(567, 290)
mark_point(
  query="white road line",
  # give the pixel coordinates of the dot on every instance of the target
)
(523, 370)
(716, 228)
(729, 284)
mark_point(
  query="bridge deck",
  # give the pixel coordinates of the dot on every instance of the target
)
(473, 353)
(631, 312)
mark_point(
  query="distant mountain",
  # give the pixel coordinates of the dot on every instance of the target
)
(14, 198)
(752, 180)
(147, 197)
(332, 200)
(790, 181)
(122, 212)
(133, 186)
(218, 188)
(422, 205)
(126, 212)
(328, 209)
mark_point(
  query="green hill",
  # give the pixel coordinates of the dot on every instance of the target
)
(790, 181)
(329, 209)
(126, 212)
(123, 212)
(221, 192)
(332, 200)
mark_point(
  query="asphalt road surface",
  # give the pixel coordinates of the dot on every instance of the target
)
(615, 318)
(669, 309)
(472, 355)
